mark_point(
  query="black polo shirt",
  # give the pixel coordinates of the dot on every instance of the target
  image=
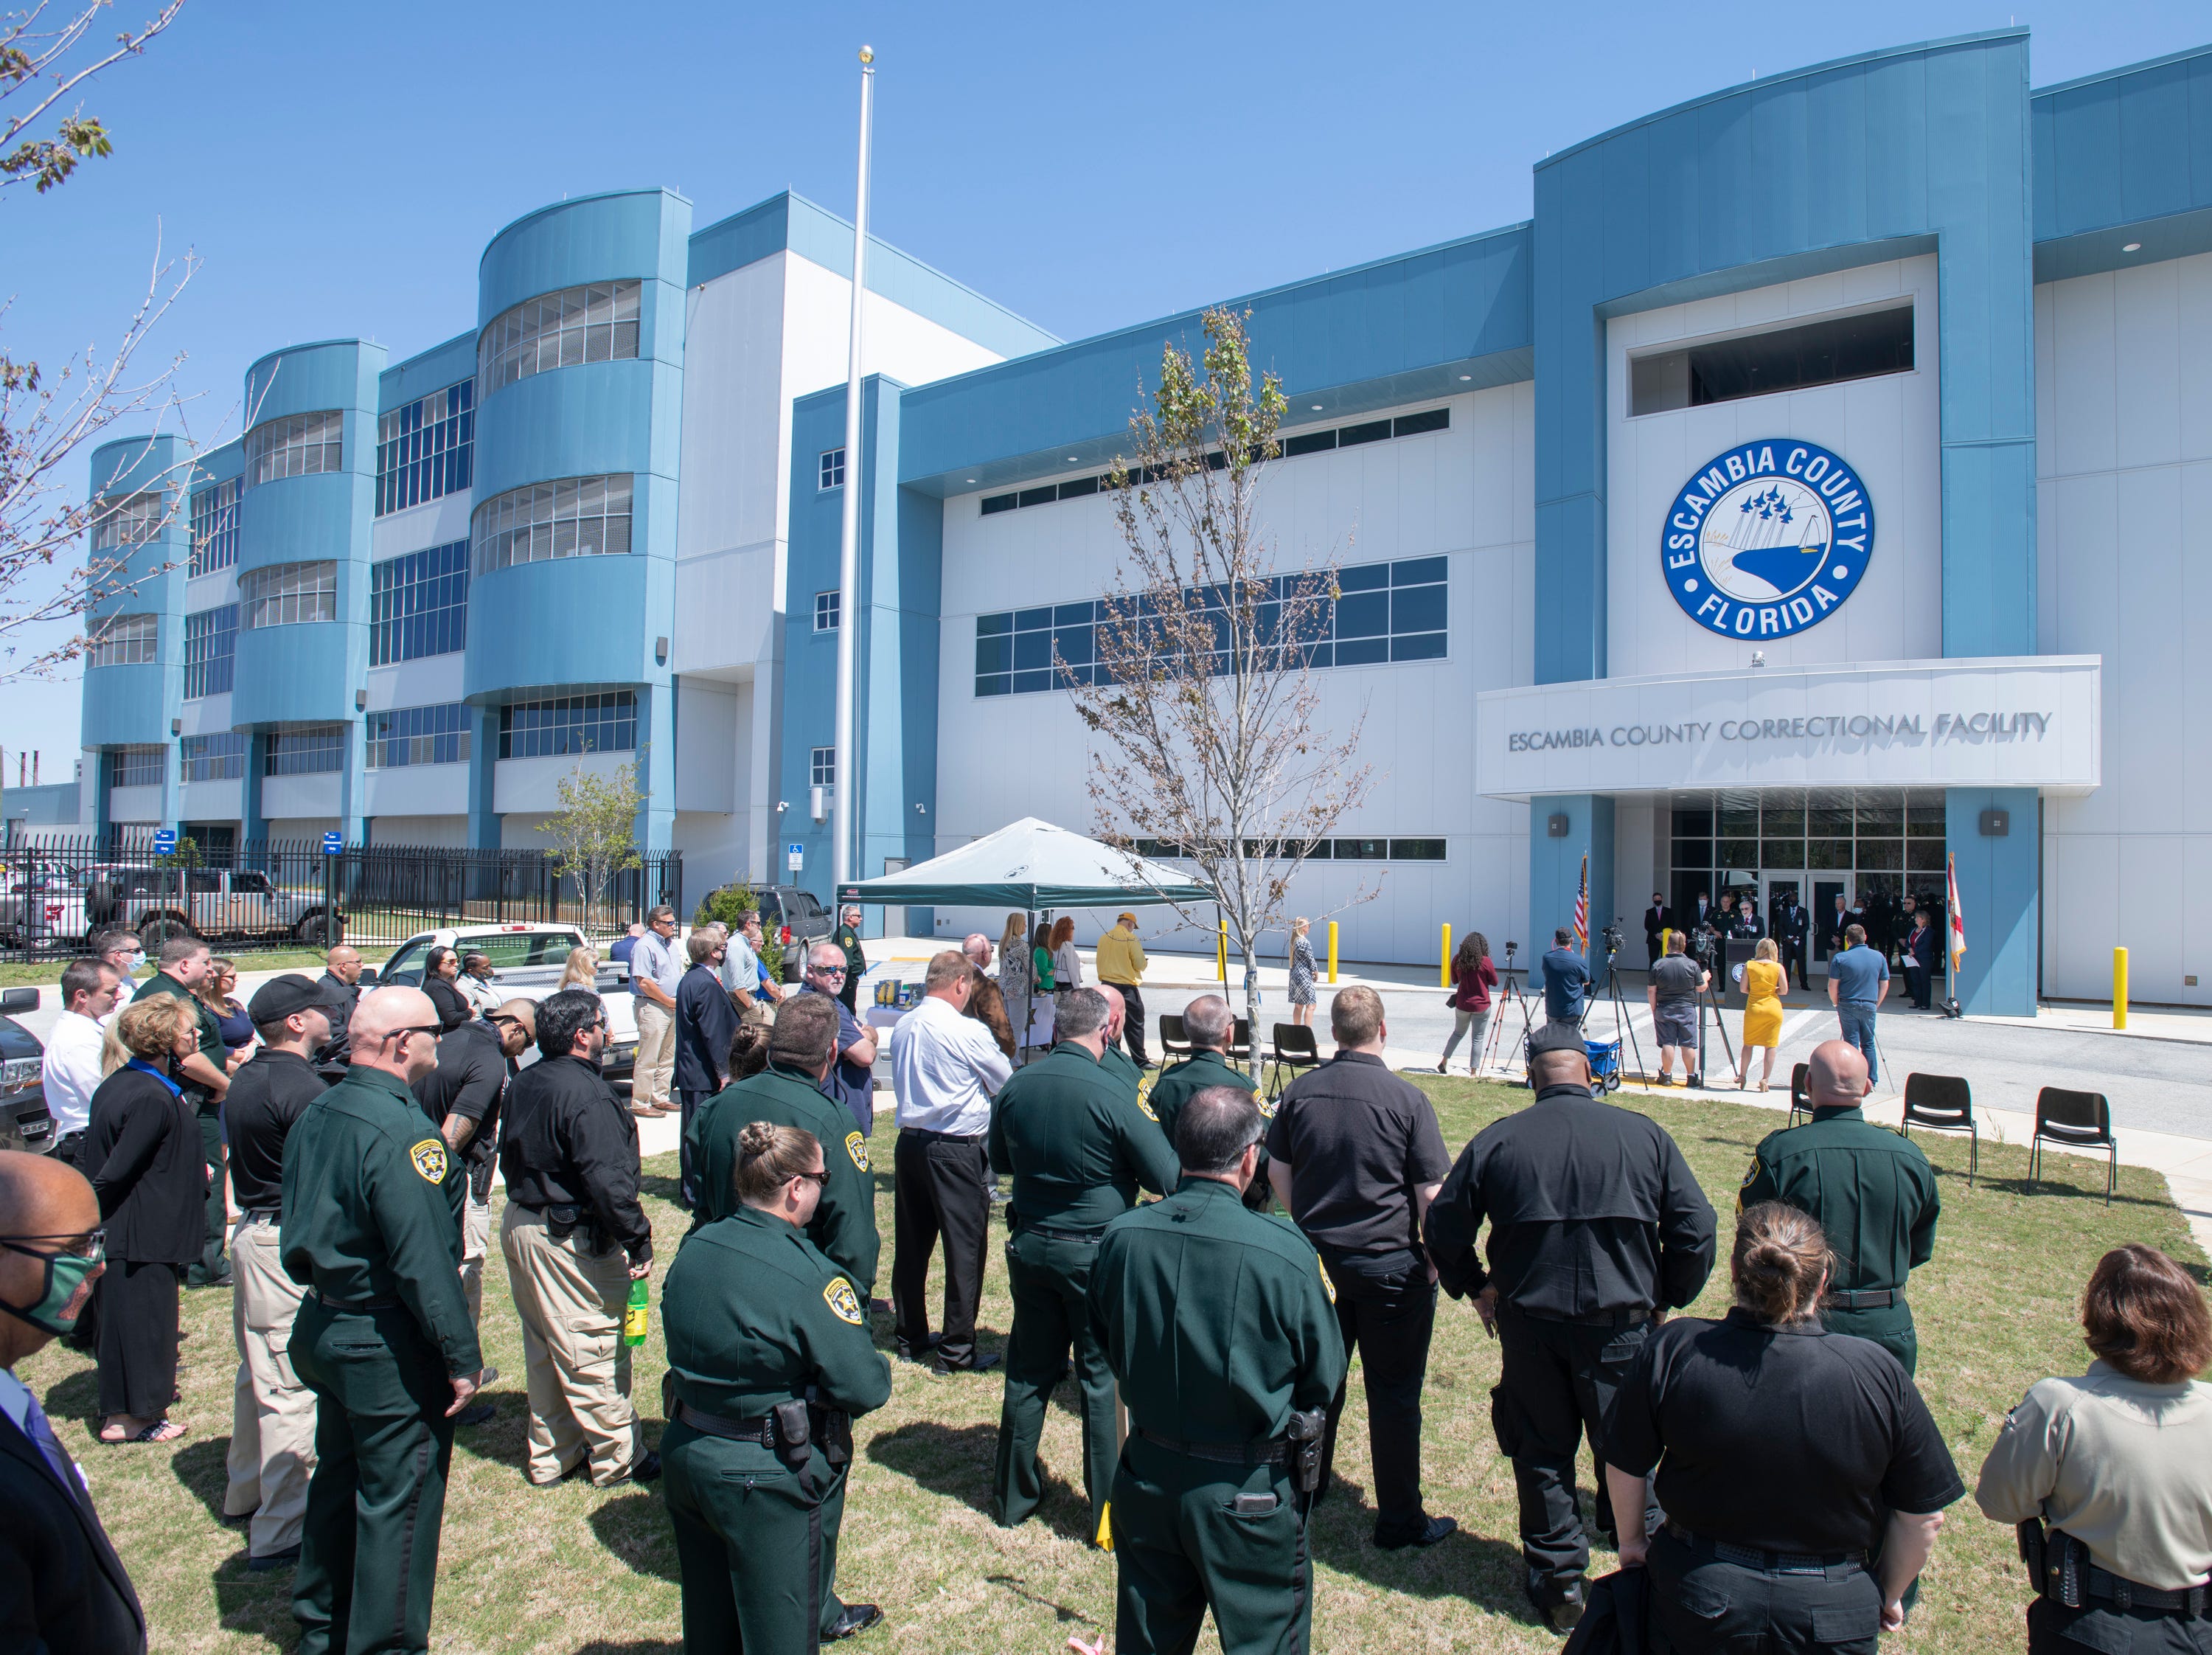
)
(471, 1074)
(266, 1095)
(1790, 1437)
(1359, 1140)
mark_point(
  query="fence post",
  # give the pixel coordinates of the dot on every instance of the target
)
(1332, 951)
(1444, 964)
(2119, 987)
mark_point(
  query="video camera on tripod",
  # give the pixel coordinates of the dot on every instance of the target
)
(1611, 937)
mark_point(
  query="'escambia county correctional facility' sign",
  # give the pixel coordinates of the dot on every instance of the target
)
(2012, 721)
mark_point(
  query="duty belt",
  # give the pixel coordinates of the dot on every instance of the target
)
(924, 1134)
(1867, 1298)
(1767, 1562)
(1274, 1451)
(1634, 1317)
(331, 1302)
(760, 1430)
(273, 1215)
(1091, 1236)
(2126, 1594)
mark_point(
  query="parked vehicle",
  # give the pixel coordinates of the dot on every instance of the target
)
(793, 916)
(25, 1121)
(216, 903)
(526, 963)
(40, 908)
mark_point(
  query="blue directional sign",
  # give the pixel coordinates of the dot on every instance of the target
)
(165, 841)
(332, 844)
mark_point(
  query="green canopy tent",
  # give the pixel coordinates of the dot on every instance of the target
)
(1033, 866)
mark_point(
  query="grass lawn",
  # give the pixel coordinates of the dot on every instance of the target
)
(47, 973)
(577, 1572)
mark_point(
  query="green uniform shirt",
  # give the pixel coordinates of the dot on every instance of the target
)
(211, 1046)
(1076, 1140)
(1870, 1189)
(1217, 1322)
(754, 1315)
(856, 963)
(1123, 1068)
(844, 1225)
(372, 1208)
(1180, 1082)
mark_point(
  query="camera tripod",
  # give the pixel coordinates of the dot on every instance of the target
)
(1622, 1026)
(1710, 996)
(1508, 989)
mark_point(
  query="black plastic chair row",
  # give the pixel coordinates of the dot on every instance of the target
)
(1296, 1049)
(1175, 1039)
(1944, 1103)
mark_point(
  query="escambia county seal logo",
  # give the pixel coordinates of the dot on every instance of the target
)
(857, 1147)
(1767, 539)
(843, 1302)
(429, 1159)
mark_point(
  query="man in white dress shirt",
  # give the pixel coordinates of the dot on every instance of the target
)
(945, 1069)
(71, 1070)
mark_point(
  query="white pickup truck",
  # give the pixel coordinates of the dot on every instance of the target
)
(526, 963)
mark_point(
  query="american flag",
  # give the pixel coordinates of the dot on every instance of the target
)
(1582, 909)
(1957, 921)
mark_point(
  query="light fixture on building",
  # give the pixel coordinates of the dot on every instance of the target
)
(361, 701)
(660, 651)
(1464, 378)
(1556, 825)
(1759, 658)
(781, 806)
(2132, 246)
(176, 726)
(1316, 408)
(819, 800)
(921, 810)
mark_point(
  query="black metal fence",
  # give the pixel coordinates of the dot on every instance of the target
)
(273, 895)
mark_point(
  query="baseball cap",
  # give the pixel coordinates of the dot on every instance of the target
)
(1557, 1037)
(1118, 918)
(278, 998)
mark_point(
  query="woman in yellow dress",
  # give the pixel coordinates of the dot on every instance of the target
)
(1762, 1010)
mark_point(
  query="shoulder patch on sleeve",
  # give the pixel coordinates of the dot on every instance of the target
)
(857, 1147)
(1145, 1108)
(844, 1303)
(1267, 1106)
(1751, 1173)
(429, 1159)
(1327, 1286)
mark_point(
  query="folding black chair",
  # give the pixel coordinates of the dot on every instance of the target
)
(1943, 1103)
(1801, 1092)
(1295, 1049)
(1240, 1042)
(2078, 1120)
(1174, 1042)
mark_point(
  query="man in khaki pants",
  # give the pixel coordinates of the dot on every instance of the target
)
(272, 1431)
(574, 1238)
(656, 967)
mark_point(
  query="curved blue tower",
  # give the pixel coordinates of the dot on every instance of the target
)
(134, 671)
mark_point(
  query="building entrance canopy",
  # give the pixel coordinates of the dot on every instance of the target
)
(2027, 721)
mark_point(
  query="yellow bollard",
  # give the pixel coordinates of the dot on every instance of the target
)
(2119, 987)
(1332, 951)
(1221, 952)
(1444, 961)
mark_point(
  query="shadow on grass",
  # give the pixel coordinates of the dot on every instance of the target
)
(957, 1462)
(203, 1470)
(661, 1187)
(634, 1527)
(504, 1438)
(641, 1647)
(77, 1397)
(1488, 1572)
(1018, 1586)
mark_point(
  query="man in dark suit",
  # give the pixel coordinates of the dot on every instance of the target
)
(1839, 920)
(1790, 923)
(62, 1587)
(1657, 918)
(706, 1021)
(1919, 951)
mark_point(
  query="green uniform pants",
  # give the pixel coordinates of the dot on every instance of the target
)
(1049, 1278)
(1181, 1548)
(1890, 1327)
(369, 1557)
(212, 1267)
(750, 1542)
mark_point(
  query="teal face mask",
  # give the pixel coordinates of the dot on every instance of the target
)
(65, 1274)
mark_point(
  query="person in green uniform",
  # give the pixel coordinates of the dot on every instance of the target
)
(769, 1356)
(846, 937)
(1078, 1148)
(842, 1224)
(1218, 1327)
(204, 1078)
(1207, 1021)
(1869, 1188)
(372, 1229)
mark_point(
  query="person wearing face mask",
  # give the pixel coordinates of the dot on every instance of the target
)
(121, 950)
(372, 1230)
(61, 1586)
(574, 1238)
(272, 1432)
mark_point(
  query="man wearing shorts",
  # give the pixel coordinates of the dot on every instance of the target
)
(1676, 983)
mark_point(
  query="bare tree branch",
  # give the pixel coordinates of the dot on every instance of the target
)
(32, 63)
(1203, 700)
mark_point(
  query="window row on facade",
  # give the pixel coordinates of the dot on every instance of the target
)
(603, 721)
(1392, 612)
(297, 444)
(131, 521)
(597, 323)
(418, 735)
(1320, 850)
(426, 450)
(215, 527)
(1287, 448)
(578, 517)
(288, 594)
(418, 604)
(211, 651)
(124, 641)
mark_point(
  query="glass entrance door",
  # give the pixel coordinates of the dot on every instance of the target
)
(1822, 941)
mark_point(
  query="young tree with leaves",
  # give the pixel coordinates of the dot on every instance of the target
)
(1203, 705)
(48, 578)
(592, 832)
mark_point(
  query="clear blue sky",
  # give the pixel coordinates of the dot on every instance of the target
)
(340, 168)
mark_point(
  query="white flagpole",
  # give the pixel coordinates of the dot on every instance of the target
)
(848, 562)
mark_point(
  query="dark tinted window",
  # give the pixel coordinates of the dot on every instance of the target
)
(1784, 359)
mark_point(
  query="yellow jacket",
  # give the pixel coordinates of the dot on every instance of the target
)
(1120, 958)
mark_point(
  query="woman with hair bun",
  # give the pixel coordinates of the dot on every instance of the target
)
(2118, 1465)
(769, 1359)
(1802, 1478)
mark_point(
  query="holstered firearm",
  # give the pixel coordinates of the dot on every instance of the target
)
(793, 1434)
(1306, 1430)
(2058, 1563)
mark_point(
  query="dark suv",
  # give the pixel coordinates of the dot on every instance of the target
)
(793, 917)
(25, 1121)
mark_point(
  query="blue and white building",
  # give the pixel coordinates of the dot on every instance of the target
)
(1817, 488)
